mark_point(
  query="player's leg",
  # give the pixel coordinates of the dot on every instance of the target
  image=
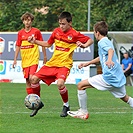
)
(28, 72)
(26, 76)
(43, 74)
(121, 93)
(128, 100)
(36, 90)
(29, 90)
(64, 95)
(35, 87)
(82, 113)
(82, 96)
(61, 75)
(95, 81)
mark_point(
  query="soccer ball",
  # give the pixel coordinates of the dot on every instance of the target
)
(32, 101)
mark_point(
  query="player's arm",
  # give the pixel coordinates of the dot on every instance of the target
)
(94, 61)
(33, 40)
(109, 61)
(85, 45)
(15, 56)
(44, 54)
(42, 43)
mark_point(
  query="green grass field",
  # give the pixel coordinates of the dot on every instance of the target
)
(107, 114)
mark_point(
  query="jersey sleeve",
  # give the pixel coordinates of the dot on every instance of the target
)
(19, 41)
(105, 46)
(82, 38)
(51, 39)
(38, 35)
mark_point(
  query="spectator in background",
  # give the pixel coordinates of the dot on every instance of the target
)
(127, 65)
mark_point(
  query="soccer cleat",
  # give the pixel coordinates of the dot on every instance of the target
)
(34, 112)
(78, 114)
(64, 111)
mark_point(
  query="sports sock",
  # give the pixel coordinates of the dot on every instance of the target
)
(29, 91)
(36, 88)
(82, 98)
(130, 102)
(64, 95)
(66, 104)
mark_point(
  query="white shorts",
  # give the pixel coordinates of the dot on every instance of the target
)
(99, 83)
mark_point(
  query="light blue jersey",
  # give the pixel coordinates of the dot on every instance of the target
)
(113, 76)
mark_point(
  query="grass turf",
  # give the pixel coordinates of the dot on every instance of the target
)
(107, 114)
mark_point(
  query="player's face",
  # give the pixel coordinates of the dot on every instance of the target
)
(27, 22)
(64, 25)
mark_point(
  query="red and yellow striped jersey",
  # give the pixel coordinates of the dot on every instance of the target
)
(29, 52)
(64, 46)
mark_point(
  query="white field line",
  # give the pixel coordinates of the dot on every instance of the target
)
(103, 111)
(53, 112)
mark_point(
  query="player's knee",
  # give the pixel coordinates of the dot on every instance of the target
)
(60, 84)
(34, 79)
(79, 86)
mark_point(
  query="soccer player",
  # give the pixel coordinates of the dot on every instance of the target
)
(112, 79)
(65, 40)
(29, 52)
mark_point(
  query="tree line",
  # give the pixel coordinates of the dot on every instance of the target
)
(117, 13)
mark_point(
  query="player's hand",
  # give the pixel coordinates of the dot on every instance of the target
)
(110, 64)
(44, 60)
(14, 64)
(31, 39)
(82, 65)
(79, 44)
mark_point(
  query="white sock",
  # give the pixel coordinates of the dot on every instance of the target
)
(130, 102)
(82, 98)
(66, 104)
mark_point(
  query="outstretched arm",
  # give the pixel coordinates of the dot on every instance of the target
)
(94, 61)
(32, 39)
(85, 45)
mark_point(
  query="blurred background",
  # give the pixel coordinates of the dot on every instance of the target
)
(117, 13)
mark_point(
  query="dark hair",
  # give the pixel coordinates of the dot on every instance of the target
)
(26, 15)
(101, 27)
(66, 15)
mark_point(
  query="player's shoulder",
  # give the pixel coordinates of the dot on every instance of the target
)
(57, 29)
(74, 32)
(71, 29)
(35, 29)
(21, 31)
